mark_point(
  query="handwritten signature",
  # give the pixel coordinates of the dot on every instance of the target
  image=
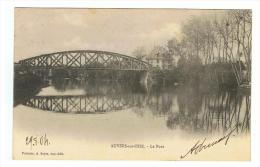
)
(37, 141)
(200, 145)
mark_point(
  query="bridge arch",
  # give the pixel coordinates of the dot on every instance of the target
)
(86, 59)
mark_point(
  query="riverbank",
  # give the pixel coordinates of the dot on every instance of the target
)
(25, 86)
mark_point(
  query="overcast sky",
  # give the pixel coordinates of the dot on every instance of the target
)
(40, 31)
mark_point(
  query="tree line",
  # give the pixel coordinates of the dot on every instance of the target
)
(222, 40)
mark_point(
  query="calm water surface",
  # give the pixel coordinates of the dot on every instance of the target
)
(185, 108)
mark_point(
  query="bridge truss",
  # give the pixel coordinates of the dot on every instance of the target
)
(86, 59)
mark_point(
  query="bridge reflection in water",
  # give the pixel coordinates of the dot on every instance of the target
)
(81, 104)
(185, 107)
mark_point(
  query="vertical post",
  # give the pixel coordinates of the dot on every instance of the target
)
(61, 103)
(85, 104)
(80, 103)
(51, 104)
(67, 105)
(79, 59)
(97, 104)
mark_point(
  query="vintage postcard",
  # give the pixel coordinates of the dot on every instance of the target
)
(132, 84)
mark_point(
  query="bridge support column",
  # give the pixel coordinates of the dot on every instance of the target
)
(50, 73)
(144, 78)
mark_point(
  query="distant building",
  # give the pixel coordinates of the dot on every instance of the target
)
(162, 61)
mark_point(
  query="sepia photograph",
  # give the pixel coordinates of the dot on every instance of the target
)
(132, 84)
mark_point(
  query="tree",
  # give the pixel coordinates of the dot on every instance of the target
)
(139, 53)
(159, 51)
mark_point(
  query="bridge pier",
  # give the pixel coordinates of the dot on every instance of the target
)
(144, 77)
(50, 73)
(145, 80)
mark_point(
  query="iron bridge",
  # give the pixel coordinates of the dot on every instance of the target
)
(86, 59)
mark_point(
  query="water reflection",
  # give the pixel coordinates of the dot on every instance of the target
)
(185, 107)
(93, 87)
(214, 112)
(83, 104)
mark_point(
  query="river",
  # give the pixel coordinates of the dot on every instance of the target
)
(84, 118)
